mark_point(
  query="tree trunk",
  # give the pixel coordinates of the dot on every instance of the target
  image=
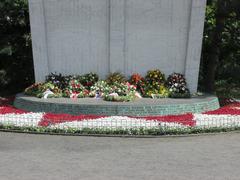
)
(213, 60)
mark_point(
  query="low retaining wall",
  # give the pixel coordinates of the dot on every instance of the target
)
(140, 107)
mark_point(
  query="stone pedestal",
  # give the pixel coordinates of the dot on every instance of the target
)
(129, 36)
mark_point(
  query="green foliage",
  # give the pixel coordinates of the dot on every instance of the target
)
(16, 66)
(121, 92)
(156, 92)
(59, 80)
(226, 12)
(155, 84)
(119, 98)
(161, 131)
(115, 77)
(155, 77)
(89, 79)
(225, 90)
(62, 81)
(49, 86)
(123, 89)
(75, 87)
(100, 88)
(34, 89)
(38, 90)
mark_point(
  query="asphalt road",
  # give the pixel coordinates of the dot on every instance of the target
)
(30, 157)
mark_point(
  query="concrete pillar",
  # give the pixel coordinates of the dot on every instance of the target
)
(39, 39)
(194, 47)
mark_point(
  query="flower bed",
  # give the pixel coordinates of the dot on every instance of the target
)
(223, 118)
(114, 88)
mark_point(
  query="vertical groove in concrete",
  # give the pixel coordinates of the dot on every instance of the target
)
(46, 34)
(125, 65)
(117, 35)
(108, 33)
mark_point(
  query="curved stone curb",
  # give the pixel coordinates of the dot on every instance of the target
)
(140, 107)
(122, 136)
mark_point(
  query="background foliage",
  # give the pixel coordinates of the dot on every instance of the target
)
(220, 65)
(16, 65)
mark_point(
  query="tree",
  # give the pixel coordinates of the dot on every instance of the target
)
(221, 41)
(16, 65)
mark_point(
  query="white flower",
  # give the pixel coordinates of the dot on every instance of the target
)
(114, 94)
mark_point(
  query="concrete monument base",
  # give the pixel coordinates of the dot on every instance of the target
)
(129, 36)
(140, 107)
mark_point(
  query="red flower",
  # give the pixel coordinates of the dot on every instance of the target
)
(51, 119)
(231, 109)
(86, 92)
(89, 84)
(136, 78)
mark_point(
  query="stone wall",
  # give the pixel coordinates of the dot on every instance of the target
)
(102, 36)
(140, 107)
